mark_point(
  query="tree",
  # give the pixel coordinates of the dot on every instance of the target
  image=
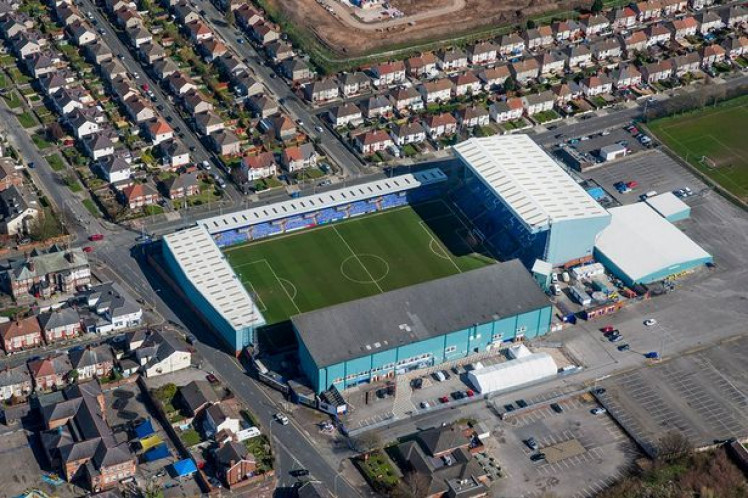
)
(366, 442)
(73, 375)
(673, 446)
(230, 17)
(597, 6)
(531, 24)
(414, 484)
(510, 85)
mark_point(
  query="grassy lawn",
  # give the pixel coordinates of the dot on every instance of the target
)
(55, 162)
(91, 206)
(3, 81)
(40, 142)
(260, 448)
(545, 116)
(151, 210)
(353, 259)
(26, 120)
(12, 100)
(190, 437)
(379, 471)
(713, 140)
(73, 184)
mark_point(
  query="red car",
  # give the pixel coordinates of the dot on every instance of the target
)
(95, 237)
(470, 393)
(211, 378)
(444, 399)
(607, 329)
(632, 184)
(88, 249)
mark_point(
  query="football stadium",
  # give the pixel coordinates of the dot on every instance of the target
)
(408, 272)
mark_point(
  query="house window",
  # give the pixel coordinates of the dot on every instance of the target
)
(450, 349)
(522, 329)
(496, 337)
(337, 381)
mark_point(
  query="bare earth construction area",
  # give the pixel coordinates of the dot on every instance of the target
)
(343, 33)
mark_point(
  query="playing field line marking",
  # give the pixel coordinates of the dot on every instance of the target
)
(282, 286)
(446, 256)
(254, 291)
(359, 259)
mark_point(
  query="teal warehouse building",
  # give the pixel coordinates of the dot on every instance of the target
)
(444, 320)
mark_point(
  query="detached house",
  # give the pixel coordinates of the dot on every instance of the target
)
(198, 31)
(681, 28)
(139, 195)
(525, 70)
(181, 186)
(354, 83)
(472, 116)
(91, 362)
(115, 170)
(578, 56)
(440, 125)
(388, 73)
(162, 354)
(279, 51)
(656, 71)
(595, 24)
(208, 122)
(179, 84)
(139, 109)
(296, 70)
(226, 143)
(626, 75)
(451, 60)
(299, 157)
(19, 334)
(344, 115)
(536, 38)
(236, 464)
(372, 141)
(139, 36)
(539, 102)
(711, 54)
(98, 145)
(408, 133)
(196, 103)
(50, 372)
(508, 110)
(257, 167)
(283, 127)
(220, 417)
(322, 90)
(709, 21)
(15, 382)
(376, 106)
(494, 77)
(174, 154)
(422, 65)
(596, 85)
(482, 53)
(60, 325)
(406, 98)
(263, 106)
(436, 90)
(623, 18)
(81, 34)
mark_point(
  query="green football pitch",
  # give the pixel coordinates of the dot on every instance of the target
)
(331, 264)
(714, 140)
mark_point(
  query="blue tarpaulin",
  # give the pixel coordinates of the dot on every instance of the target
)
(184, 467)
(144, 430)
(157, 453)
(596, 193)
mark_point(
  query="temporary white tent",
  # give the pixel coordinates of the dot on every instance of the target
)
(518, 351)
(513, 373)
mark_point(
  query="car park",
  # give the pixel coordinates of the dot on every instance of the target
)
(556, 408)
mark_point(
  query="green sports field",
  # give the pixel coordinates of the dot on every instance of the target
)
(355, 258)
(714, 140)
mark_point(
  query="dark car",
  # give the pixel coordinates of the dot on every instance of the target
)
(458, 395)
(521, 403)
(537, 457)
(299, 473)
(531, 443)
(509, 407)
(446, 374)
(416, 383)
(624, 347)
(556, 408)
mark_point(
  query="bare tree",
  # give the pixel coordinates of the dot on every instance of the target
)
(414, 484)
(366, 442)
(673, 446)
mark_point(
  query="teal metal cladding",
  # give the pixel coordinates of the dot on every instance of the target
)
(423, 354)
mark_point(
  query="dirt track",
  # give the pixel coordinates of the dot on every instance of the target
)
(347, 41)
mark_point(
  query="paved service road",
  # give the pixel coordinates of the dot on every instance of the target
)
(198, 151)
(277, 88)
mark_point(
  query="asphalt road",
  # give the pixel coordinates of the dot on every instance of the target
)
(278, 89)
(118, 47)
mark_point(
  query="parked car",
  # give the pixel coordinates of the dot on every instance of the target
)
(652, 355)
(531, 443)
(211, 378)
(88, 249)
(425, 405)
(470, 393)
(521, 403)
(598, 411)
(439, 376)
(281, 418)
(624, 347)
(417, 383)
(509, 407)
(537, 457)
(444, 399)
(556, 408)
(615, 338)
(607, 329)
(95, 237)
(650, 322)
(458, 395)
